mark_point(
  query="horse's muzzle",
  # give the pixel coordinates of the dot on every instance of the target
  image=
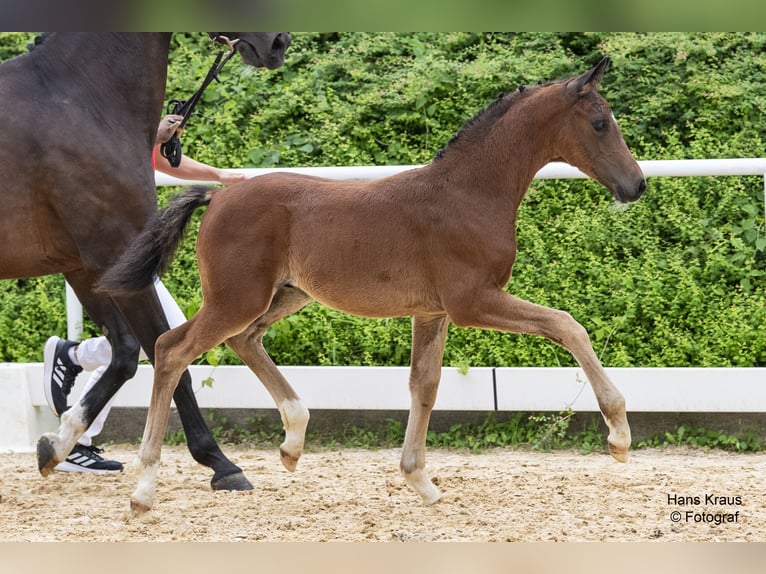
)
(270, 54)
(626, 194)
(279, 45)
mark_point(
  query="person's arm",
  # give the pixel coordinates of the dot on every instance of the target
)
(192, 169)
(188, 168)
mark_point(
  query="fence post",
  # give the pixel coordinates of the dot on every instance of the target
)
(73, 315)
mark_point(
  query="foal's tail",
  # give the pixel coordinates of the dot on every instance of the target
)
(152, 251)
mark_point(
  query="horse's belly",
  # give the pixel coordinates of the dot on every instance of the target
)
(25, 254)
(377, 296)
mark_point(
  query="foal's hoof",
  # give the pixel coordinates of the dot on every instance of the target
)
(619, 447)
(138, 508)
(619, 438)
(620, 454)
(419, 481)
(431, 498)
(236, 481)
(46, 456)
(289, 461)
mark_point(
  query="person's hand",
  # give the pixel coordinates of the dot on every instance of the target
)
(169, 125)
(230, 177)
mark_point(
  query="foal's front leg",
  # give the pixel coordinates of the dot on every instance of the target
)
(294, 415)
(249, 346)
(428, 338)
(496, 309)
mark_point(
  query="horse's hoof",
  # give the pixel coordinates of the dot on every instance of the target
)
(620, 454)
(619, 444)
(46, 456)
(432, 498)
(419, 481)
(289, 461)
(236, 481)
(138, 508)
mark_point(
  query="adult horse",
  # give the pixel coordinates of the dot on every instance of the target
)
(436, 243)
(77, 127)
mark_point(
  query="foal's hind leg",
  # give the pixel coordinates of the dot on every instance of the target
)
(249, 346)
(147, 323)
(428, 338)
(496, 309)
(175, 349)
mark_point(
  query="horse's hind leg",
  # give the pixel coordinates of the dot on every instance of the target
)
(148, 322)
(249, 346)
(201, 443)
(175, 349)
(498, 310)
(52, 448)
(428, 338)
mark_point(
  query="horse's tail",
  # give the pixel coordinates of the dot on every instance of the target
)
(152, 251)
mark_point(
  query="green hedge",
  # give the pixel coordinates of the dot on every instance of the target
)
(675, 279)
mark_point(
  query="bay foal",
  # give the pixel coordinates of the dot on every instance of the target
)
(436, 243)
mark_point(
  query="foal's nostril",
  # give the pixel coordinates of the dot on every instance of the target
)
(642, 186)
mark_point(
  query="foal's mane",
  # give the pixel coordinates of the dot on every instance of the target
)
(490, 114)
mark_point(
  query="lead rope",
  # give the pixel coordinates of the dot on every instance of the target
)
(171, 149)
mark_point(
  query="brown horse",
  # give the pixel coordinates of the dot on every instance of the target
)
(436, 243)
(78, 122)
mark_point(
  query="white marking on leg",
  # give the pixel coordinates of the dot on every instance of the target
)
(71, 428)
(419, 480)
(143, 497)
(295, 419)
(72, 424)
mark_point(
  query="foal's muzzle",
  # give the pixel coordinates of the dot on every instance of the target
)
(632, 192)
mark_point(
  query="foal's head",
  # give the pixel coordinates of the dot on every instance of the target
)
(591, 140)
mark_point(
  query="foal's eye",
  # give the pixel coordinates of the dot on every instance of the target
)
(600, 126)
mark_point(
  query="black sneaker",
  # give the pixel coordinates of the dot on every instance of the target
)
(87, 459)
(59, 373)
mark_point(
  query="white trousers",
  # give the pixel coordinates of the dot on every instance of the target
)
(95, 355)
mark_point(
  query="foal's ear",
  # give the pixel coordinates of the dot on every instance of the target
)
(590, 80)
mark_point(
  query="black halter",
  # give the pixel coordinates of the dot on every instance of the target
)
(171, 149)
